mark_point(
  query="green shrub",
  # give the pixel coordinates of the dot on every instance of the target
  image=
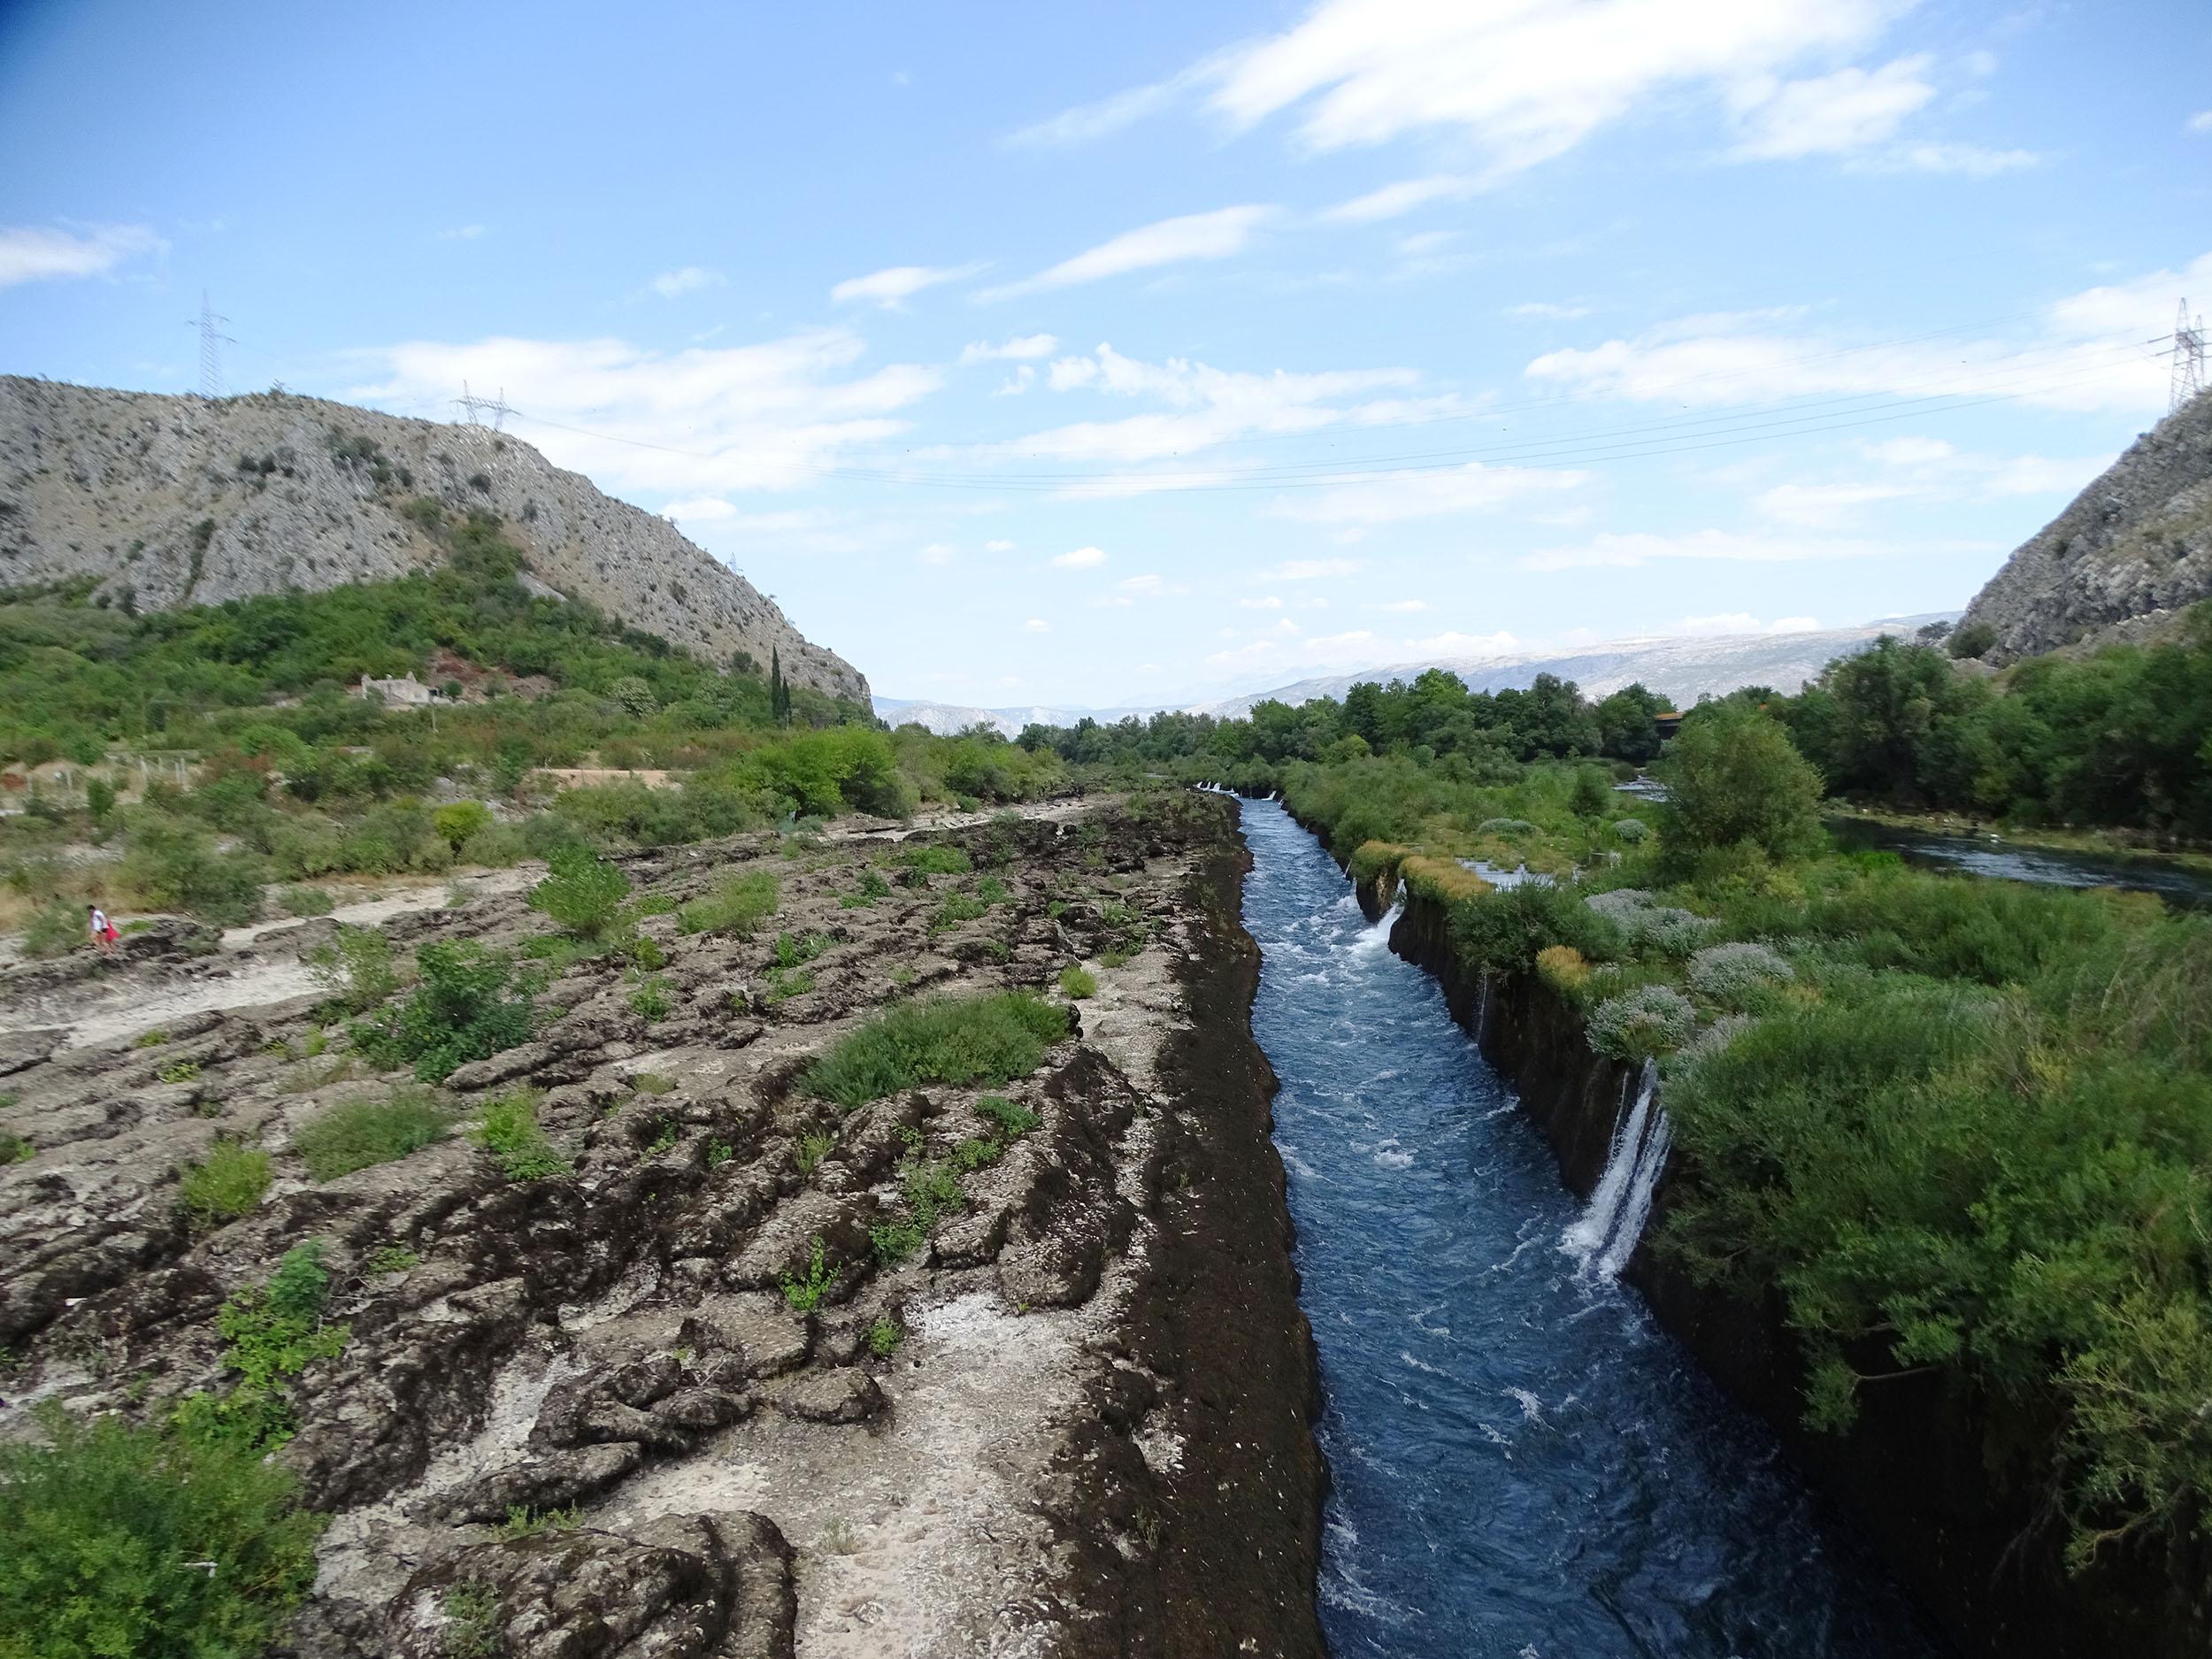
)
(884, 1337)
(811, 1149)
(392, 1258)
(739, 906)
(805, 1293)
(270, 1334)
(955, 908)
(14, 1148)
(1077, 983)
(179, 1072)
(1013, 1121)
(56, 927)
(872, 887)
(1734, 778)
(355, 968)
(511, 1133)
(796, 950)
(132, 1543)
(1632, 831)
(175, 865)
(1642, 1024)
(299, 901)
(582, 893)
(1504, 931)
(231, 1180)
(461, 822)
(1730, 973)
(934, 860)
(463, 1008)
(650, 997)
(992, 1039)
(360, 1133)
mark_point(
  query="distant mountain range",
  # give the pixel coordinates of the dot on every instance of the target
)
(1683, 670)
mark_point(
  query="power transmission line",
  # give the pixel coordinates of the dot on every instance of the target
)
(211, 347)
(2188, 378)
(475, 409)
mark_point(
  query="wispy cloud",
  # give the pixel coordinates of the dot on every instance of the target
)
(461, 233)
(1215, 236)
(1829, 115)
(1642, 547)
(895, 285)
(30, 253)
(1082, 558)
(1020, 348)
(1310, 570)
(695, 423)
(689, 278)
(1547, 311)
(1402, 197)
(1395, 497)
(2201, 122)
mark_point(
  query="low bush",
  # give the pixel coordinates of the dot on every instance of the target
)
(354, 969)
(465, 1007)
(137, 1543)
(992, 1039)
(582, 893)
(303, 900)
(1442, 881)
(739, 906)
(934, 860)
(270, 1334)
(805, 1293)
(56, 928)
(1504, 931)
(1563, 967)
(1730, 973)
(1372, 859)
(359, 1133)
(511, 1135)
(1077, 983)
(461, 822)
(1642, 1024)
(1633, 831)
(231, 1180)
(955, 908)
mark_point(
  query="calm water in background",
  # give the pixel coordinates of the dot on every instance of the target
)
(1522, 1464)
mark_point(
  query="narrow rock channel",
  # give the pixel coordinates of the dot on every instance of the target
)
(1523, 1463)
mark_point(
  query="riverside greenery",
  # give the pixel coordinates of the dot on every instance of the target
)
(1956, 1126)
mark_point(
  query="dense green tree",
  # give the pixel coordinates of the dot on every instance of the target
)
(1733, 779)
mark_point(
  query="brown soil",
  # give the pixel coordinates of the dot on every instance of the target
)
(1093, 1437)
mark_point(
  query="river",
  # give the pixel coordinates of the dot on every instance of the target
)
(1522, 1464)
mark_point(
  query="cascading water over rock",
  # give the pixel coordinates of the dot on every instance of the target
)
(1605, 1235)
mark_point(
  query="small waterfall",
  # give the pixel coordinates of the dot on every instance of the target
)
(1604, 1236)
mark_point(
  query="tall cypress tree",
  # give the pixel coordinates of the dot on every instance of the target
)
(778, 693)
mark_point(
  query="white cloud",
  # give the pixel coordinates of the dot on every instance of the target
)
(2201, 122)
(998, 547)
(32, 253)
(892, 287)
(1310, 570)
(1404, 605)
(2087, 354)
(1832, 115)
(1269, 602)
(1455, 644)
(1148, 586)
(937, 553)
(1082, 558)
(1525, 80)
(1910, 451)
(1015, 384)
(689, 280)
(699, 509)
(1547, 311)
(1819, 505)
(702, 421)
(1395, 497)
(1972, 160)
(461, 233)
(1215, 236)
(1724, 545)
(1090, 121)
(1020, 348)
(1402, 197)
(1037, 625)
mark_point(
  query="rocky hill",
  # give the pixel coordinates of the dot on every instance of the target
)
(2130, 553)
(173, 500)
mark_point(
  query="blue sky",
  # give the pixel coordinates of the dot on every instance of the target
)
(1093, 354)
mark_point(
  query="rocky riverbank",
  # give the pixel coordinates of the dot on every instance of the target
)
(681, 1399)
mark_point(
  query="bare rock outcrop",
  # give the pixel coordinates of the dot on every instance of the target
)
(2126, 558)
(170, 500)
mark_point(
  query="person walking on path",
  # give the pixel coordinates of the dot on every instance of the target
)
(104, 934)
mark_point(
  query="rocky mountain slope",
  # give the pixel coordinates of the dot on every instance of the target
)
(2126, 558)
(174, 501)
